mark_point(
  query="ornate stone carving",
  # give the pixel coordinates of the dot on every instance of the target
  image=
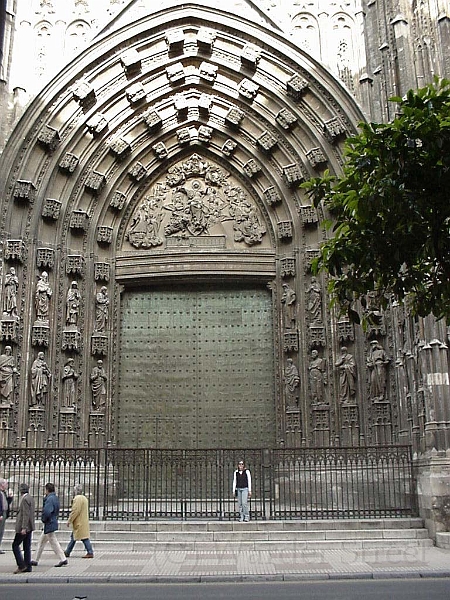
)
(204, 103)
(101, 271)
(205, 39)
(135, 93)
(40, 334)
(272, 196)
(310, 255)
(79, 220)
(99, 345)
(292, 175)
(317, 336)
(291, 384)
(184, 136)
(284, 230)
(285, 118)
(308, 215)
(45, 257)
(24, 191)
(234, 116)
(9, 329)
(229, 147)
(153, 119)
(175, 73)
(97, 124)
(69, 163)
(346, 367)
(334, 129)
(175, 40)
(205, 134)
(316, 157)
(48, 138)
(71, 339)
(73, 301)
(11, 287)
(40, 382)
(84, 93)
(251, 168)
(290, 341)
(296, 87)
(120, 148)
(267, 141)
(104, 234)
(160, 150)
(117, 200)
(98, 380)
(317, 378)
(248, 88)
(15, 250)
(289, 300)
(42, 295)
(377, 364)
(101, 309)
(130, 61)
(195, 196)
(95, 182)
(287, 266)
(7, 373)
(250, 56)
(51, 209)
(314, 305)
(346, 332)
(138, 171)
(74, 264)
(208, 71)
(181, 104)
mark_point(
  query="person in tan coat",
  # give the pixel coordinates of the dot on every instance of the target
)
(79, 521)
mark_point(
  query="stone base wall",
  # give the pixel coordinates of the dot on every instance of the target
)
(433, 491)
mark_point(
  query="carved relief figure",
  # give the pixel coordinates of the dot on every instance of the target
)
(144, 229)
(69, 379)
(377, 363)
(101, 309)
(11, 287)
(317, 378)
(247, 227)
(288, 299)
(291, 383)
(7, 372)
(98, 386)
(40, 381)
(73, 304)
(42, 297)
(315, 301)
(347, 376)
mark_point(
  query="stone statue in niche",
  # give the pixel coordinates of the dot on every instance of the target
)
(40, 381)
(73, 304)
(42, 297)
(69, 379)
(291, 384)
(98, 386)
(101, 309)
(314, 306)
(347, 377)
(377, 363)
(195, 196)
(288, 300)
(317, 378)
(11, 287)
(7, 372)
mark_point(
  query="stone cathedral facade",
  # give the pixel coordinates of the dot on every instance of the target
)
(156, 287)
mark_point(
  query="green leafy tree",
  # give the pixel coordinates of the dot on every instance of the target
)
(390, 229)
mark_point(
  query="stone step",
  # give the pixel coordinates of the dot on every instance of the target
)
(209, 536)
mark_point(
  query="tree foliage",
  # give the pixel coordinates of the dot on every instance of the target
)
(390, 231)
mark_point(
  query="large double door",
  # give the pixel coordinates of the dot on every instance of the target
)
(196, 368)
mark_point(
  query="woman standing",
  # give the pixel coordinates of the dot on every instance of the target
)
(242, 488)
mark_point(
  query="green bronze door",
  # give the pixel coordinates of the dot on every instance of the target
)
(196, 368)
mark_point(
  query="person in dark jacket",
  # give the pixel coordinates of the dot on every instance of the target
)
(24, 530)
(242, 489)
(50, 512)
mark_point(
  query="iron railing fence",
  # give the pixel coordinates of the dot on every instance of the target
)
(288, 483)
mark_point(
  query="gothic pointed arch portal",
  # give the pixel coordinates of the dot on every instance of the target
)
(155, 181)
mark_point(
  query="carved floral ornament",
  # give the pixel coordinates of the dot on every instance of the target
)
(193, 198)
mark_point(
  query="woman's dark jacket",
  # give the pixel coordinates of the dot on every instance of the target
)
(50, 512)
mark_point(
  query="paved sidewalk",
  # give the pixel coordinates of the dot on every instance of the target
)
(185, 566)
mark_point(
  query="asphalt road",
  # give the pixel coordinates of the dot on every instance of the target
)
(395, 589)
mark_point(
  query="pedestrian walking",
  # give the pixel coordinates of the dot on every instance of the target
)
(79, 521)
(242, 489)
(5, 505)
(25, 526)
(49, 516)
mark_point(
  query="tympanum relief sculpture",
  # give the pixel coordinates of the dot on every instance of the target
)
(194, 199)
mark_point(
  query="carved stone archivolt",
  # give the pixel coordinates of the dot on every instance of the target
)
(195, 198)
